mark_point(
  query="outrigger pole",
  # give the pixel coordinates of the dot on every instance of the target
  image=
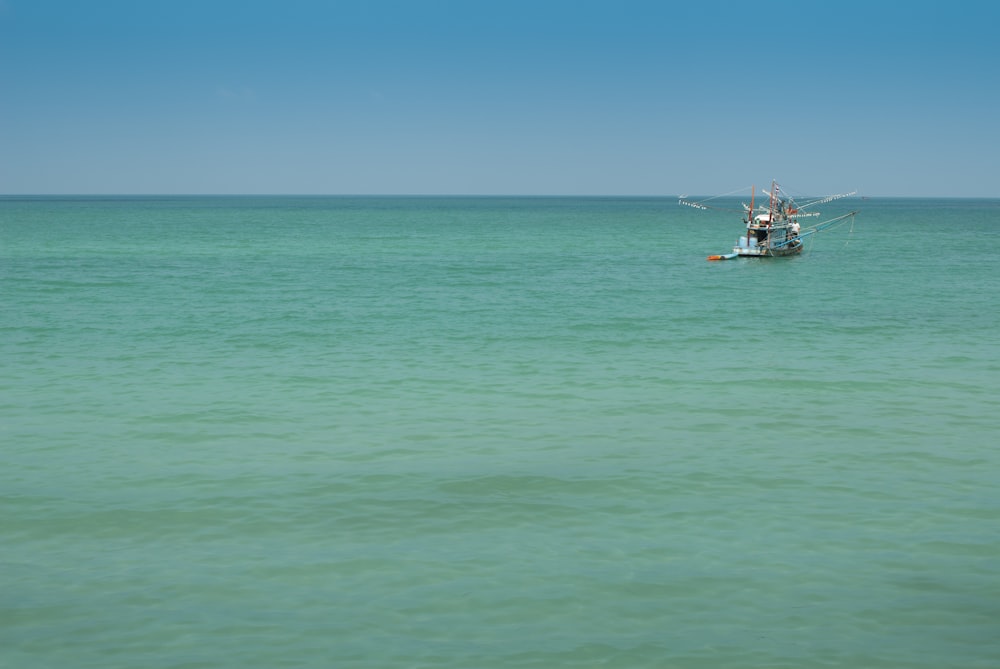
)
(820, 227)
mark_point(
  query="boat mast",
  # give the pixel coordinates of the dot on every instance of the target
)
(770, 206)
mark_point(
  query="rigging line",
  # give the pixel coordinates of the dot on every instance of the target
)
(714, 197)
(827, 224)
(828, 198)
(819, 228)
(734, 192)
(850, 233)
(699, 205)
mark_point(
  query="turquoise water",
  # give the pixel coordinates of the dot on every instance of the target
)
(495, 432)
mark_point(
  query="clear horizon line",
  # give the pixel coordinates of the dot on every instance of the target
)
(460, 195)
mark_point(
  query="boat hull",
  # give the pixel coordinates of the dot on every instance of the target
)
(792, 249)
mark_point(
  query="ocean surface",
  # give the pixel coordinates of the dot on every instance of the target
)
(471, 433)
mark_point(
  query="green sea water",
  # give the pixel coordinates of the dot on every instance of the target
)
(495, 432)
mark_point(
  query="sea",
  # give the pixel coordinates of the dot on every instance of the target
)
(483, 432)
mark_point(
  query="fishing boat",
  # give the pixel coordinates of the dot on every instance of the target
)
(773, 229)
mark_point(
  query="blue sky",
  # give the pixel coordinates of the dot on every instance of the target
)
(621, 97)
